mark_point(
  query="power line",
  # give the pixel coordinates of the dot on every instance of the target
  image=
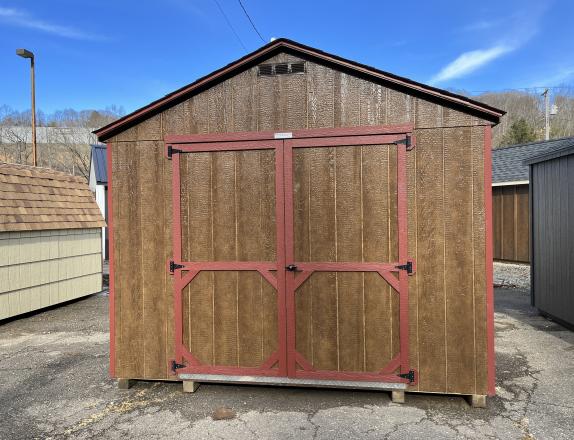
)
(251, 21)
(230, 25)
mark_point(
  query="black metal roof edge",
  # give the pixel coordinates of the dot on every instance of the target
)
(554, 154)
(507, 147)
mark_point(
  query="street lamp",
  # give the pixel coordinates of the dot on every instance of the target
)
(27, 54)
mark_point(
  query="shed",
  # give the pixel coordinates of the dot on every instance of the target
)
(98, 183)
(510, 189)
(552, 233)
(49, 239)
(297, 218)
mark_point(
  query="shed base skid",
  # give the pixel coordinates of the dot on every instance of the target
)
(398, 396)
(285, 381)
(477, 400)
(189, 386)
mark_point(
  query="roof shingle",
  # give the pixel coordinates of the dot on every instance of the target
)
(33, 198)
(508, 162)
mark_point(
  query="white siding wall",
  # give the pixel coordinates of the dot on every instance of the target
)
(101, 201)
(42, 268)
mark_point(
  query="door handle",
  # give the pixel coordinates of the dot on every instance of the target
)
(291, 268)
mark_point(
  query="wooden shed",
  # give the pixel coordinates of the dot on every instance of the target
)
(50, 248)
(552, 236)
(510, 197)
(297, 218)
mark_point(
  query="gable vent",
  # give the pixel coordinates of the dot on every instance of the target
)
(281, 69)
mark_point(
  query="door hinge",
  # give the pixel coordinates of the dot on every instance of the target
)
(407, 141)
(408, 267)
(173, 266)
(410, 376)
(175, 366)
(171, 151)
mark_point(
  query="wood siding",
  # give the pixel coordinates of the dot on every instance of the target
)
(511, 232)
(552, 186)
(42, 268)
(446, 210)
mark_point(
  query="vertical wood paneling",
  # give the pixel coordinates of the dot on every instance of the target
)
(431, 260)
(458, 223)
(511, 238)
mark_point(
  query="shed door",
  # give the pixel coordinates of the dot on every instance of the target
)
(228, 246)
(290, 256)
(346, 236)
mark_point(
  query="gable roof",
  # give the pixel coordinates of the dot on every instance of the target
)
(33, 198)
(485, 111)
(100, 162)
(565, 148)
(508, 163)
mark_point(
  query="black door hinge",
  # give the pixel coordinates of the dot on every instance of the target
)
(173, 266)
(171, 151)
(408, 267)
(410, 376)
(176, 366)
(407, 141)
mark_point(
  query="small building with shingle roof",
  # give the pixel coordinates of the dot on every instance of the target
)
(50, 232)
(510, 197)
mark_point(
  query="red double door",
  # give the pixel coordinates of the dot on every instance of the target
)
(290, 255)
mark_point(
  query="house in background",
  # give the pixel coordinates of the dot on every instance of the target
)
(510, 198)
(99, 186)
(49, 239)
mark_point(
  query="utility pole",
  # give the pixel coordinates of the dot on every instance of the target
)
(546, 115)
(27, 54)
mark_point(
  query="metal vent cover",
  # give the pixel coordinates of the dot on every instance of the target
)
(281, 69)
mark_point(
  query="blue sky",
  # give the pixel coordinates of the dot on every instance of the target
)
(92, 54)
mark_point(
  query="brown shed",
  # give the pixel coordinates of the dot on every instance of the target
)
(297, 218)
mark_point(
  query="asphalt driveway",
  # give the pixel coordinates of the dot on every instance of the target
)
(54, 384)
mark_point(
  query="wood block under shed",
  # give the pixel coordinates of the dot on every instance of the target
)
(189, 386)
(125, 384)
(477, 400)
(398, 396)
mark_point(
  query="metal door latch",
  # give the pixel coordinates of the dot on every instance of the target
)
(291, 268)
(408, 267)
(173, 266)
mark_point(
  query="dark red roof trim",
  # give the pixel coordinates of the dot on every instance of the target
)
(483, 110)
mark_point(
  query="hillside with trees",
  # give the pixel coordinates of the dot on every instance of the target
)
(524, 121)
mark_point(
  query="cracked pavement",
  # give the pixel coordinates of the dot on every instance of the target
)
(54, 384)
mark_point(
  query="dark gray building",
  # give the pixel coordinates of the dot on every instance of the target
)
(552, 232)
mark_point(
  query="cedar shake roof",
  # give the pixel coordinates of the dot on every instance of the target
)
(33, 199)
(279, 45)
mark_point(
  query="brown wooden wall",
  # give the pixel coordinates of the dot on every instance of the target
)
(447, 296)
(510, 218)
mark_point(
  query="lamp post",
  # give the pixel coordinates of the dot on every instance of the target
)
(27, 54)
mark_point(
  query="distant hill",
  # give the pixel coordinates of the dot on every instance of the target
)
(530, 107)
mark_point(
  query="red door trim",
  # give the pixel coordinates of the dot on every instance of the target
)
(191, 269)
(296, 134)
(488, 253)
(111, 281)
(384, 269)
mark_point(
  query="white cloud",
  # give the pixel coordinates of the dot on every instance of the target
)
(21, 18)
(468, 62)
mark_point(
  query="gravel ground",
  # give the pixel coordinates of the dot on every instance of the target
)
(53, 371)
(512, 275)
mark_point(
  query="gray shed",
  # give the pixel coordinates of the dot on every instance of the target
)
(552, 233)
